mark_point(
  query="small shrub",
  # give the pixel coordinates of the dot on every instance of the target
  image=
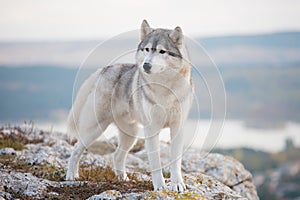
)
(17, 134)
(18, 146)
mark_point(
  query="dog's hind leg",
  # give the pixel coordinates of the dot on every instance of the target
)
(72, 172)
(89, 129)
(82, 144)
(127, 139)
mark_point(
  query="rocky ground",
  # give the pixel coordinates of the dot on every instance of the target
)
(33, 166)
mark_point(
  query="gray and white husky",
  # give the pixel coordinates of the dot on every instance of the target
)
(156, 92)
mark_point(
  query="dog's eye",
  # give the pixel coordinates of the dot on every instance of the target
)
(147, 49)
(172, 54)
(162, 51)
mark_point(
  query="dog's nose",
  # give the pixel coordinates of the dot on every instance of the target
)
(147, 67)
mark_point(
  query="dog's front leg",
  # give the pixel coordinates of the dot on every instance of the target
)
(177, 141)
(153, 150)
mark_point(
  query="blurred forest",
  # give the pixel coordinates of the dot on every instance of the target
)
(261, 96)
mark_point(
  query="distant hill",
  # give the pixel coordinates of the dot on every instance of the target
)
(276, 49)
(274, 40)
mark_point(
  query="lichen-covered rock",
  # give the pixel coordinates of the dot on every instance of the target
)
(55, 150)
(24, 184)
(226, 169)
(5, 195)
(207, 176)
(7, 151)
(209, 187)
(109, 194)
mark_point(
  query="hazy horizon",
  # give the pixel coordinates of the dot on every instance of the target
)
(103, 38)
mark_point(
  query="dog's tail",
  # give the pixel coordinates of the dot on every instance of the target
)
(82, 95)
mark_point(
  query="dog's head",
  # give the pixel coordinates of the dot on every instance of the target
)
(159, 49)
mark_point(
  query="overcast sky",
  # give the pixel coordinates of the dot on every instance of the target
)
(94, 19)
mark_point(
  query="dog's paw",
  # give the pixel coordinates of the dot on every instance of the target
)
(160, 188)
(178, 187)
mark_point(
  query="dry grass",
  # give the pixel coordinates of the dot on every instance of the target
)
(100, 179)
(106, 175)
(18, 135)
(6, 142)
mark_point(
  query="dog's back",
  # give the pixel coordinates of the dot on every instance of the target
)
(113, 80)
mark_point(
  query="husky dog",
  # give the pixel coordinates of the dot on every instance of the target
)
(156, 92)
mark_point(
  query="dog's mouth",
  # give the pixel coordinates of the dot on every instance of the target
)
(147, 71)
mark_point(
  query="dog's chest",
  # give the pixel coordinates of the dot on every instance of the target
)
(161, 104)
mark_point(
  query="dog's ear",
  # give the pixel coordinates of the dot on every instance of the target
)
(145, 29)
(177, 36)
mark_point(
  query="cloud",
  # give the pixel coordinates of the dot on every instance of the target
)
(66, 19)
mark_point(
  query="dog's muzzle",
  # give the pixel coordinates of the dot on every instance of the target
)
(147, 67)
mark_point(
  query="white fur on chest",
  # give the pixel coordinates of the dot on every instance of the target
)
(162, 99)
